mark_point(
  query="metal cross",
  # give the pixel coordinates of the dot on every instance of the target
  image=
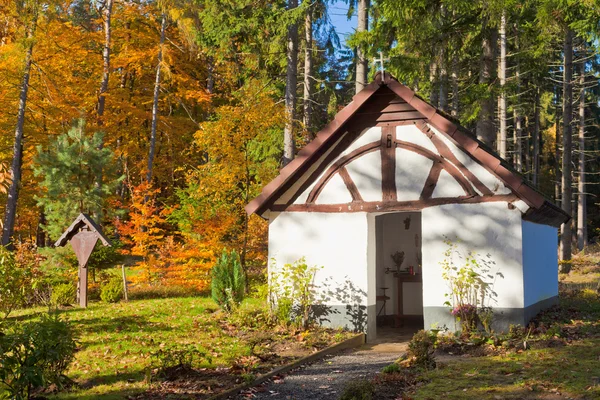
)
(381, 60)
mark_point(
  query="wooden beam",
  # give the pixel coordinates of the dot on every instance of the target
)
(388, 164)
(388, 206)
(350, 184)
(431, 181)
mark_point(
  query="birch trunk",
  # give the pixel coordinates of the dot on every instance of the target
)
(502, 77)
(17, 159)
(163, 27)
(289, 147)
(308, 71)
(105, 61)
(566, 236)
(362, 67)
(581, 199)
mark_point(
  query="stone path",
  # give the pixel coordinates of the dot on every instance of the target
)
(327, 378)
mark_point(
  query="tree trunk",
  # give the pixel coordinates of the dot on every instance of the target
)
(502, 77)
(557, 136)
(362, 65)
(210, 79)
(434, 98)
(106, 61)
(17, 160)
(308, 71)
(485, 123)
(536, 139)
(566, 237)
(163, 27)
(454, 75)
(101, 93)
(443, 99)
(289, 147)
(518, 140)
(581, 199)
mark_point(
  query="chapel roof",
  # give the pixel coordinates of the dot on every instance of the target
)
(541, 210)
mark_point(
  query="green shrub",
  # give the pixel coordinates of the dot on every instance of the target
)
(15, 282)
(112, 291)
(421, 348)
(63, 294)
(391, 369)
(292, 292)
(178, 357)
(360, 389)
(228, 282)
(35, 355)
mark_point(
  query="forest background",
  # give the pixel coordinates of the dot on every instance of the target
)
(162, 119)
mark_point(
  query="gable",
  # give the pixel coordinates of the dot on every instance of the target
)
(390, 150)
(418, 164)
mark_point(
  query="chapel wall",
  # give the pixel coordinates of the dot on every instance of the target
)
(488, 228)
(338, 242)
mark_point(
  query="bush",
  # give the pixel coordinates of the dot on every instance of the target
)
(35, 355)
(63, 294)
(228, 281)
(393, 368)
(112, 291)
(14, 283)
(421, 348)
(293, 294)
(175, 359)
(360, 389)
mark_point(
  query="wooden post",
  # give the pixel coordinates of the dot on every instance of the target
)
(83, 284)
(124, 282)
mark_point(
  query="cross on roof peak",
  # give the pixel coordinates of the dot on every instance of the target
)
(381, 60)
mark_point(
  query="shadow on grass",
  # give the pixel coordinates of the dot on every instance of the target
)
(123, 324)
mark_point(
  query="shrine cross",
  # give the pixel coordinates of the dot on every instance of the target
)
(381, 60)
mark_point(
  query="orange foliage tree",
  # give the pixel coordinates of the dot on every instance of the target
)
(242, 150)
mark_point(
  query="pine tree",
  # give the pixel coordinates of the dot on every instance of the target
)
(68, 171)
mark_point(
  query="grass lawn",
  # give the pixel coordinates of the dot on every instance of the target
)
(572, 371)
(117, 342)
(564, 361)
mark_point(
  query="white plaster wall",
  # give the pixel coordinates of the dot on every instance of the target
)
(488, 228)
(540, 262)
(412, 134)
(412, 170)
(447, 186)
(365, 172)
(335, 192)
(336, 241)
(393, 236)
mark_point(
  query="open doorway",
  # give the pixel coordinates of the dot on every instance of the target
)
(399, 283)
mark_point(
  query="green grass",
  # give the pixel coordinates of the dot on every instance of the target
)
(571, 370)
(117, 340)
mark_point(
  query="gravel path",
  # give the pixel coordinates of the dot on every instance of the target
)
(324, 379)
